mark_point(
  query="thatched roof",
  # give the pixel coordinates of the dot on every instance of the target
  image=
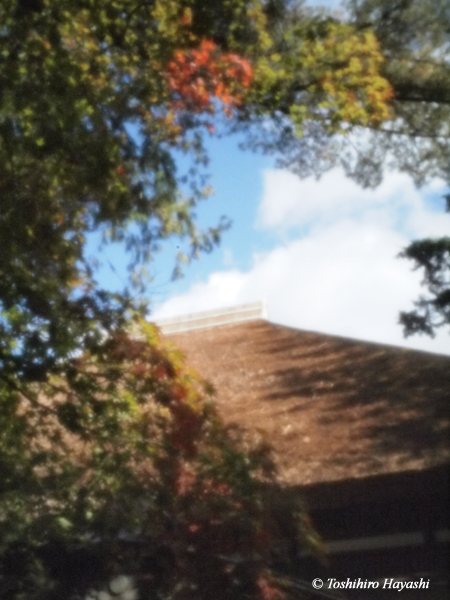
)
(332, 408)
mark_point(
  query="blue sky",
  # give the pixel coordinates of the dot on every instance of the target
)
(323, 254)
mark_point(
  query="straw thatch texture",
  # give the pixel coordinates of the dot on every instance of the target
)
(332, 408)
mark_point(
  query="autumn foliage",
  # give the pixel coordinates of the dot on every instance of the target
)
(199, 76)
(134, 435)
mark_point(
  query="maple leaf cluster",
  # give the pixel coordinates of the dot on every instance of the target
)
(196, 77)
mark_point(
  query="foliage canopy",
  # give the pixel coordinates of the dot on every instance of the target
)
(413, 38)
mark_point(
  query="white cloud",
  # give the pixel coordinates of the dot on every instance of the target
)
(289, 202)
(342, 277)
(220, 290)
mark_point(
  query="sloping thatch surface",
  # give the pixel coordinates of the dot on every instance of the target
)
(332, 408)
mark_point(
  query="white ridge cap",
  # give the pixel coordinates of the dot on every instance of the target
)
(213, 318)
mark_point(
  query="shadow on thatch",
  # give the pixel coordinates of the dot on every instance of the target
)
(331, 407)
(402, 396)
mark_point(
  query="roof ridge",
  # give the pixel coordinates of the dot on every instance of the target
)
(213, 318)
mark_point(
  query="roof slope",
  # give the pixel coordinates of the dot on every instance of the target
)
(332, 408)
